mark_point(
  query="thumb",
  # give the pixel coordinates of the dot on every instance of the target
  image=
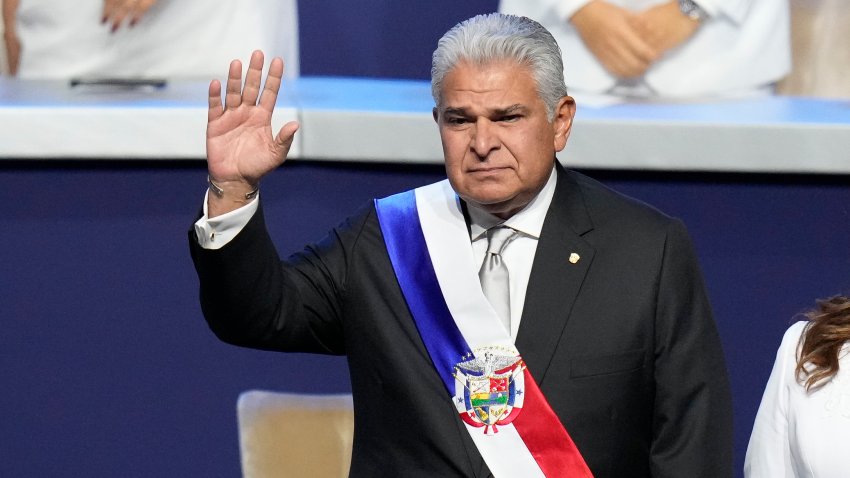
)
(284, 138)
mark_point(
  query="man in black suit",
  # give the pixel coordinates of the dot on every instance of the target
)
(621, 373)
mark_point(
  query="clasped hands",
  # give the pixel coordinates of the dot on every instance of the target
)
(627, 43)
(241, 148)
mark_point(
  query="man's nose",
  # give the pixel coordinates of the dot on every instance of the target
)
(485, 138)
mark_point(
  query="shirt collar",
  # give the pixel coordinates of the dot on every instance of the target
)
(529, 220)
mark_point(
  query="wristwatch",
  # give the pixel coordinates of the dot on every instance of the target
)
(693, 11)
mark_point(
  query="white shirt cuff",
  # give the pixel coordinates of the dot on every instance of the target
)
(215, 233)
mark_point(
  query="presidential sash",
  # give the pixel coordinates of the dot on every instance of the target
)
(495, 395)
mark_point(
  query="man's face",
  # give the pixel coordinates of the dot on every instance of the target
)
(497, 140)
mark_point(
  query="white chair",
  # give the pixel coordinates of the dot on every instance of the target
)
(294, 435)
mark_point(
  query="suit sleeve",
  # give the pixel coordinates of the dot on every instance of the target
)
(249, 297)
(692, 419)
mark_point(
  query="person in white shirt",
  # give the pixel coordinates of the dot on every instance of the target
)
(802, 427)
(145, 38)
(666, 48)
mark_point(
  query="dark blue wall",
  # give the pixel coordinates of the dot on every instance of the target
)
(107, 368)
(381, 38)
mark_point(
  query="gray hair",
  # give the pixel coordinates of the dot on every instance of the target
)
(495, 36)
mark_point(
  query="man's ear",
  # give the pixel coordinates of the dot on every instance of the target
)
(436, 115)
(562, 123)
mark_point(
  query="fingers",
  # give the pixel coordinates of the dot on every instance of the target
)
(215, 110)
(639, 41)
(252, 79)
(625, 53)
(635, 56)
(236, 95)
(272, 86)
(627, 66)
(108, 5)
(285, 136)
(664, 26)
(233, 95)
(114, 12)
(142, 6)
(645, 53)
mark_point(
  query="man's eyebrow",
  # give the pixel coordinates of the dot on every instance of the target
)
(455, 111)
(517, 108)
(508, 110)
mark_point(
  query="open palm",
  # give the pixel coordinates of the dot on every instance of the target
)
(241, 148)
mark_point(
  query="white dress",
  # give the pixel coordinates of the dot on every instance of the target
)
(799, 433)
(174, 39)
(742, 48)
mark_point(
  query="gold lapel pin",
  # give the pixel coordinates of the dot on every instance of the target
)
(574, 258)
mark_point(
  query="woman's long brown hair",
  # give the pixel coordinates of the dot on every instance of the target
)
(826, 333)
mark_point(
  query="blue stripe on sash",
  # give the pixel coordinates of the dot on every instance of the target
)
(405, 241)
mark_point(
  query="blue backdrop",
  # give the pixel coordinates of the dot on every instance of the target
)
(106, 364)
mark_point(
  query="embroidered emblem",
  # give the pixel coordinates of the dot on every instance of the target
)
(489, 387)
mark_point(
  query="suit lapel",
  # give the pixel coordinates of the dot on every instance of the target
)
(555, 279)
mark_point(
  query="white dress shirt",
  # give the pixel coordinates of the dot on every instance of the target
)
(800, 434)
(743, 47)
(518, 256)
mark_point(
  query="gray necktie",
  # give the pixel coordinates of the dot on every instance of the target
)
(494, 274)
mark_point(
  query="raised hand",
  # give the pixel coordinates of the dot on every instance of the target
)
(240, 146)
(609, 33)
(116, 11)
